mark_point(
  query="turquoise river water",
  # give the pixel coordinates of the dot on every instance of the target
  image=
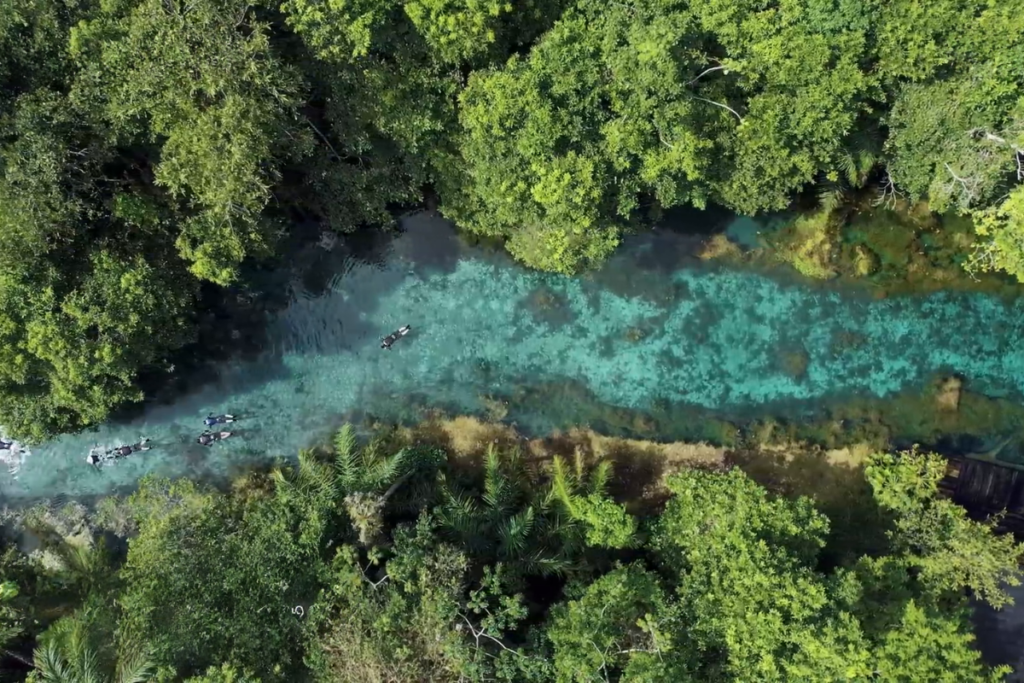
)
(656, 326)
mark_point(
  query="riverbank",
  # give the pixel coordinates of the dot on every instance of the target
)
(887, 249)
(366, 543)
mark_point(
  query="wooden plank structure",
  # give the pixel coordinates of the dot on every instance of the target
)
(985, 487)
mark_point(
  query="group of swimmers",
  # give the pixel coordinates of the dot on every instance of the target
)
(207, 438)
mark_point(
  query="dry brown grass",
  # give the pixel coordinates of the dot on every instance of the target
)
(641, 467)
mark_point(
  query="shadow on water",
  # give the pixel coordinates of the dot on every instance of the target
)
(698, 354)
(233, 321)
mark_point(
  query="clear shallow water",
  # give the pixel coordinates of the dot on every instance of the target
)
(654, 326)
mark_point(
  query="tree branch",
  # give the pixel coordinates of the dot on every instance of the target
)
(707, 71)
(963, 182)
(324, 138)
(887, 193)
(719, 104)
(15, 655)
(477, 635)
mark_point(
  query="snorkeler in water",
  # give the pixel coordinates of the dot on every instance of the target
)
(389, 340)
(96, 458)
(207, 438)
(212, 419)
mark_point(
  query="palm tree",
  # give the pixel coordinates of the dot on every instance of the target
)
(511, 520)
(369, 478)
(583, 496)
(570, 486)
(73, 651)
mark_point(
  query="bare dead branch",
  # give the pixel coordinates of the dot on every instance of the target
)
(324, 138)
(719, 104)
(887, 193)
(968, 186)
(368, 580)
(706, 72)
(478, 634)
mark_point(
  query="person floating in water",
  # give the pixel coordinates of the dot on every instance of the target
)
(95, 458)
(6, 445)
(395, 336)
(207, 438)
(212, 419)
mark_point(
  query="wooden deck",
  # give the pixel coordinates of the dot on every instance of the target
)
(986, 487)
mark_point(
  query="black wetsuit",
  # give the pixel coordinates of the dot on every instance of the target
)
(389, 340)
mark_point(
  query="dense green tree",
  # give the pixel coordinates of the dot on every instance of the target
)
(727, 584)
(950, 551)
(622, 623)
(956, 125)
(620, 104)
(82, 307)
(200, 80)
(223, 674)
(745, 578)
(403, 620)
(212, 578)
(10, 617)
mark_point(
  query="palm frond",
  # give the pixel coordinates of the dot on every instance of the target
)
(460, 514)
(283, 486)
(494, 479)
(134, 666)
(563, 483)
(600, 476)
(378, 473)
(831, 196)
(88, 664)
(514, 532)
(51, 665)
(579, 464)
(546, 564)
(315, 476)
(345, 456)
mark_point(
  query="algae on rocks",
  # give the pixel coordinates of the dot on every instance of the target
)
(808, 244)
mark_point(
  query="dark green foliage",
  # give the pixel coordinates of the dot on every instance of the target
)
(265, 582)
(149, 146)
(212, 578)
(510, 519)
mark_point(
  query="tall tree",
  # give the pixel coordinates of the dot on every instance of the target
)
(201, 82)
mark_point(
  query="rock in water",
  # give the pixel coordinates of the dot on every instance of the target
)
(948, 396)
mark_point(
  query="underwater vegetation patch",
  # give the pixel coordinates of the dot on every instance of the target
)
(899, 249)
(944, 410)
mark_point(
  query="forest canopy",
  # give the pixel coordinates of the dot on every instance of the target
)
(149, 149)
(394, 561)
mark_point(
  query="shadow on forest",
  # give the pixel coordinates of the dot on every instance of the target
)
(839, 489)
(834, 480)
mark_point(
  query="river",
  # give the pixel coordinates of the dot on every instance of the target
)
(655, 327)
